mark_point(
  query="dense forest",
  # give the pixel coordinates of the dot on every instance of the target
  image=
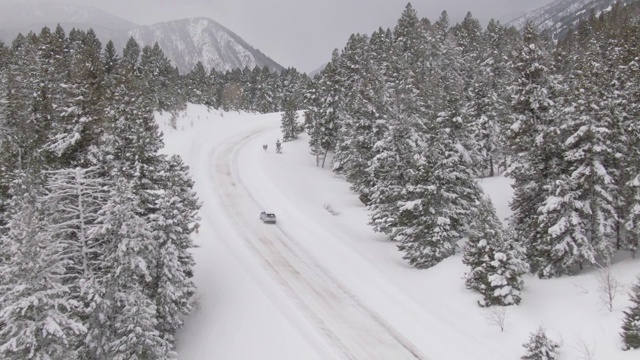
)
(95, 222)
(413, 115)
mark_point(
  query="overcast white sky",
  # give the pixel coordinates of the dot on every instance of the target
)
(303, 33)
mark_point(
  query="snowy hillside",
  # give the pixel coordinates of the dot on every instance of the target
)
(184, 42)
(560, 15)
(188, 41)
(322, 285)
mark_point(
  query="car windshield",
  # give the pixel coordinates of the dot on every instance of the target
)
(270, 215)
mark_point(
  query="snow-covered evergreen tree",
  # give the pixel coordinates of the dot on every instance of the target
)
(79, 111)
(4, 133)
(74, 198)
(324, 131)
(110, 58)
(38, 314)
(533, 144)
(487, 101)
(172, 287)
(579, 213)
(199, 89)
(162, 81)
(23, 147)
(540, 347)
(132, 139)
(122, 323)
(625, 88)
(580, 209)
(631, 324)
(394, 168)
(363, 123)
(289, 122)
(496, 263)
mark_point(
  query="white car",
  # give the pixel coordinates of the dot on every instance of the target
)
(268, 217)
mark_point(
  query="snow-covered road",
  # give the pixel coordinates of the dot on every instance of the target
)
(352, 329)
(304, 288)
(322, 285)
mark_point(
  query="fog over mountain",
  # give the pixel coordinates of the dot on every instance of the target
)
(20, 15)
(185, 42)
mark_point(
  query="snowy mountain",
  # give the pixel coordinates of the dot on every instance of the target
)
(184, 42)
(560, 15)
(188, 41)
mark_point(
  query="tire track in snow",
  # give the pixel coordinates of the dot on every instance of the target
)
(354, 330)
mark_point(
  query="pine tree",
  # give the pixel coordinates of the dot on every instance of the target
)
(4, 134)
(176, 220)
(290, 90)
(161, 81)
(580, 211)
(425, 234)
(324, 132)
(496, 263)
(198, 86)
(130, 55)
(266, 91)
(579, 214)
(132, 138)
(468, 36)
(232, 91)
(393, 166)
(122, 323)
(363, 123)
(79, 114)
(38, 315)
(74, 198)
(289, 122)
(631, 325)
(458, 65)
(487, 101)
(94, 259)
(25, 114)
(407, 34)
(622, 35)
(451, 196)
(533, 139)
(540, 347)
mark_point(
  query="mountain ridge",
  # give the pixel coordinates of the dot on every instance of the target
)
(184, 41)
(207, 41)
(557, 17)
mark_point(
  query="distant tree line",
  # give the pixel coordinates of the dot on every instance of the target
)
(259, 89)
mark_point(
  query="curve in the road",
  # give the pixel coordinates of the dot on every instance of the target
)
(353, 329)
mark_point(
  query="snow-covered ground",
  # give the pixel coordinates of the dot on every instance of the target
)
(322, 285)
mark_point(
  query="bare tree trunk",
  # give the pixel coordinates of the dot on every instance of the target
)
(491, 172)
(325, 157)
